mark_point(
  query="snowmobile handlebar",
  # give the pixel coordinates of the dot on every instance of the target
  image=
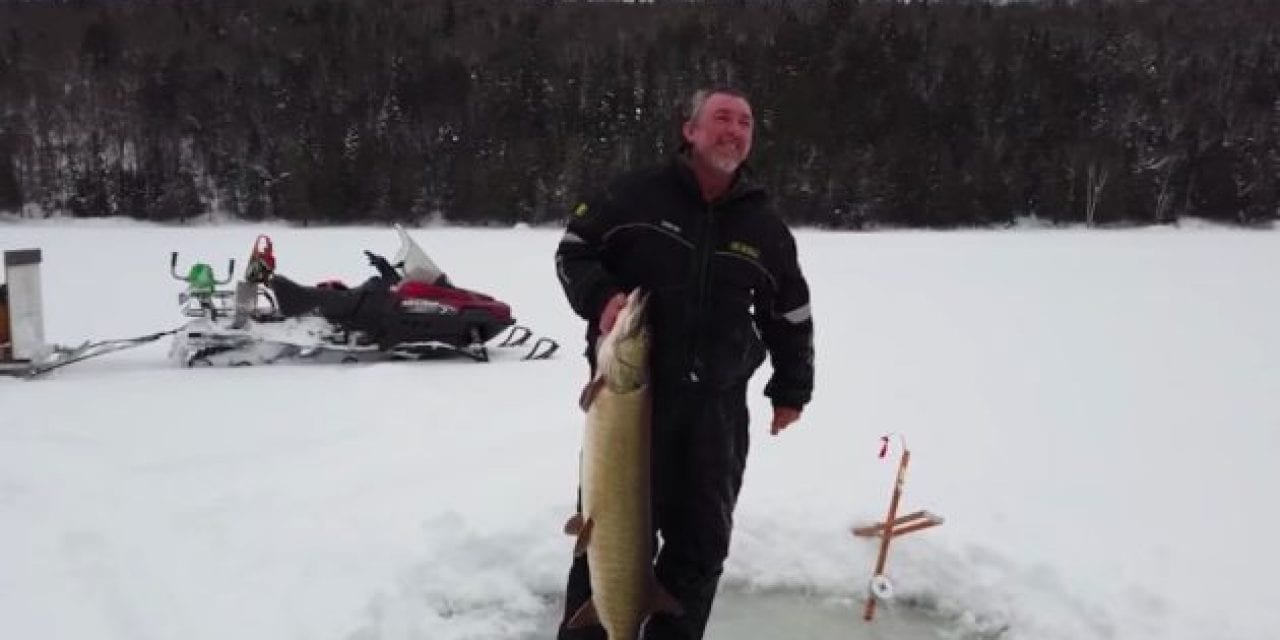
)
(173, 270)
(385, 269)
(231, 271)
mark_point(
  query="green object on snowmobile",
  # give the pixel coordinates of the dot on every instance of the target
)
(200, 278)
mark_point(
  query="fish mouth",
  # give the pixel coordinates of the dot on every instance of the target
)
(634, 314)
(639, 301)
(627, 366)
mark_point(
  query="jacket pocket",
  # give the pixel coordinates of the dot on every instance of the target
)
(732, 355)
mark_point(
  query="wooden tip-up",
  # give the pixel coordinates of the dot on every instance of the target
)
(901, 525)
(893, 526)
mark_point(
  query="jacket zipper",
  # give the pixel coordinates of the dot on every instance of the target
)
(704, 264)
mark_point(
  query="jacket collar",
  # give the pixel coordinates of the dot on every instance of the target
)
(743, 184)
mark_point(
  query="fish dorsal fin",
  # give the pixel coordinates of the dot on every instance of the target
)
(573, 525)
(584, 537)
(661, 601)
(585, 616)
(589, 392)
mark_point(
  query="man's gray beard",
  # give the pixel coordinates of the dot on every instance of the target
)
(723, 163)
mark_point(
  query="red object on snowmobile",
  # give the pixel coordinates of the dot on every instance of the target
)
(460, 299)
(262, 261)
(264, 253)
(332, 284)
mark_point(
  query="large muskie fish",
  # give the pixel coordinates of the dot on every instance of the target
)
(614, 527)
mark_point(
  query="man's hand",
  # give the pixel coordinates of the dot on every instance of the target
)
(783, 417)
(610, 313)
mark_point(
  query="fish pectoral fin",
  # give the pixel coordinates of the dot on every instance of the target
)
(573, 525)
(585, 616)
(663, 602)
(584, 536)
(589, 392)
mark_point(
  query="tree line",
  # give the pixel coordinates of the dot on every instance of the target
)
(870, 114)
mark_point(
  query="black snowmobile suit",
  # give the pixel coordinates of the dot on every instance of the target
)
(725, 287)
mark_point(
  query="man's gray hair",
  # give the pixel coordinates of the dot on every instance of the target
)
(699, 99)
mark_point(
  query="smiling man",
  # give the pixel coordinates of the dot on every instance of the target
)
(725, 289)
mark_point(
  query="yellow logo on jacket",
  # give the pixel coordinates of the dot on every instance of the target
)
(744, 249)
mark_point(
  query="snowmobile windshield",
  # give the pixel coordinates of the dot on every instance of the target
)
(417, 266)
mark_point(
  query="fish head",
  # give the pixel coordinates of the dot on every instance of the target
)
(624, 352)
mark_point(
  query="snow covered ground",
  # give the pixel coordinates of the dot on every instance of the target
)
(1096, 414)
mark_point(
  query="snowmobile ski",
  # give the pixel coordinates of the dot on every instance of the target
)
(519, 335)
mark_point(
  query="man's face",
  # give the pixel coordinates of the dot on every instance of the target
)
(721, 132)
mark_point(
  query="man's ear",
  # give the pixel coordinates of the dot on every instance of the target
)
(687, 130)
